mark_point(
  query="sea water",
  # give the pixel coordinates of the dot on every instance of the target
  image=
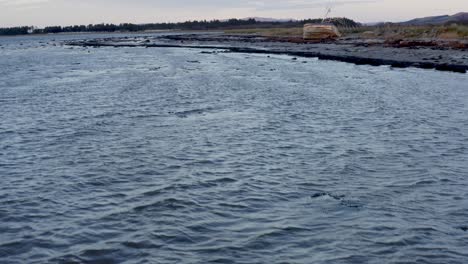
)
(168, 155)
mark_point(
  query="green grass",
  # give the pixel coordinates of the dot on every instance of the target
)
(460, 30)
(385, 31)
(269, 32)
(447, 31)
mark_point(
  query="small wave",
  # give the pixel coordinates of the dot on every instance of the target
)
(15, 248)
(340, 198)
(68, 259)
(424, 182)
(222, 181)
(146, 244)
(187, 113)
(98, 252)
(234, 206)
(166, 204)
(266, 240)
(184, 187)
(222, 261)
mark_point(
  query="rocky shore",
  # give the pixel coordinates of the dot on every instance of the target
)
(400, 54)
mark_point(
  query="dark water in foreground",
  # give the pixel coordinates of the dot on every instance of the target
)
(137, 155)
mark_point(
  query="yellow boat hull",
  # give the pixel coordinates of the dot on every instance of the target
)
(320, 32)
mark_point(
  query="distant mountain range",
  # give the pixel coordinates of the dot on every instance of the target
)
(461, 18)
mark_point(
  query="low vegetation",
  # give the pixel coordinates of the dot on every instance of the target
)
(14, 31)
(269, 32)
(452, 31)
(290, 29)
(385, 31)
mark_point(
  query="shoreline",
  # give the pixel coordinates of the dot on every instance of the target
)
(360, 52)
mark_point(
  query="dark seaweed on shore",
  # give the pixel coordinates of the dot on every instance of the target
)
(356, 51)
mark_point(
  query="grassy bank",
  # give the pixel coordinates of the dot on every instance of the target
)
(384, 31)
(441, 32)
(269, 32)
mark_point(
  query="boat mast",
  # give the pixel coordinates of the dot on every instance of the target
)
(327, 11)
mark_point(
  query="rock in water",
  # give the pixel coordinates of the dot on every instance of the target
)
(320, 31)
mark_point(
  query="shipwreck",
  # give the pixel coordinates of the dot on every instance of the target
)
(321, 31)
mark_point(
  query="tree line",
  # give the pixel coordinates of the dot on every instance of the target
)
(188, 25)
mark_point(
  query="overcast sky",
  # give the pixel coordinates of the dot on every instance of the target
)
(68, 12)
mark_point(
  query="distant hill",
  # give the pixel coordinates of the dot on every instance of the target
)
(460, 18)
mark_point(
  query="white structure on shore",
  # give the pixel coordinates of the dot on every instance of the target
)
(322, 30)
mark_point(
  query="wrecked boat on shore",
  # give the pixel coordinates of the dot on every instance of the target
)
(321, 31)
